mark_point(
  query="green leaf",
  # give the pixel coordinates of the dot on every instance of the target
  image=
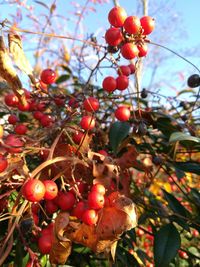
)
(179, 136)
(167, 242)
(188, 166)
(166, 126)
(175, 205)
(178, 209)
(118, 132)
(63, 78)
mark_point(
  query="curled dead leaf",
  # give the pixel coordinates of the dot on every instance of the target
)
(119, 216)
(60, 251)
(8, 73)
(16, 49)
(61, 223)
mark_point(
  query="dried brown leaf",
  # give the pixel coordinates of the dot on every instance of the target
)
(8, 73)
(16, 49)
(60, 226)
(116, 218)
(60, 251)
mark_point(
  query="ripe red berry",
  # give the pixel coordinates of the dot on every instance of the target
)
(48, 76)
(148, 24)
(20, 129)
(73, 102)
(45, 243)
(132, 68)
(59, 101)
(124, 70)
(87, 122)
(12, 119)
(51, 189)
(11, 100)
(129, 50)
(33, 190)
(14, 143)
(122, 82)
(91, 104)
(113, 36)
(109, 84)
(183, 254)
(3, 163)
(95, 200)
(79, 210)
(46, 120)
(38, 115)
(132, 25)
(142, 50)
(117, 16)
(90, 217)
(50, 206)
(77, 137)
(23, 107)
(122, 113)
(99, 188)
(41, 106)
(66, 200)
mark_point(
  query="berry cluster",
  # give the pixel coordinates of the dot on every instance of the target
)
(46, 194)
(128, 33)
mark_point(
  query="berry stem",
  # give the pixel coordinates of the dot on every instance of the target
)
(175, 53)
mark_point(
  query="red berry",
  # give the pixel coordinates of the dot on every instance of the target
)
(33, 190)
(109, 84)
(11, 100)
(51, 189)
(35, 207)
(79, 210)
(148, 24)
(66, 200)
(117, 16)
(59, 101)
(122, 82)
(3, 163)
(99, 188)
(20, 129)
(45, 243)
(142, 50)
(95, 200)
(41, 106)
(38, 115)
(12, 119)
(132, 68)
(77, 137)
(48, 76)
(132, 25)
(46, 120)
(50, 206)
(183, 254)
(122, 113)
(113, 36)
(90, 217)
(14, 143)
(91, 104)
(23, 107)
(73, 102)
(129, 51)
(87, 122)
(124, 70)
